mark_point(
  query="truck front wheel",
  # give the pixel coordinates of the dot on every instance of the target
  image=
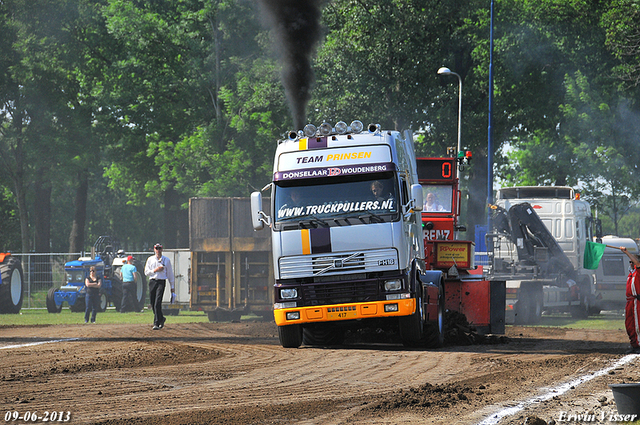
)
(412, 327)
(290, 336)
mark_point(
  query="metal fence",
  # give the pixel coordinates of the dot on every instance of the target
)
(43, 271)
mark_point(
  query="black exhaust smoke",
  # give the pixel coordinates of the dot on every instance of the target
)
(296, 27)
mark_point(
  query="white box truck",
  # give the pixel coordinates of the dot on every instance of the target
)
(612, 272)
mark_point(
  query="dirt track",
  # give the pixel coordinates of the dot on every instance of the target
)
(227, 373)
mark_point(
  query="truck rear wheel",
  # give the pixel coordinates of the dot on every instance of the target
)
(290, 336)
(581, 311)
(51, 301)
(12, 288)
(528, 309)
(434, 331)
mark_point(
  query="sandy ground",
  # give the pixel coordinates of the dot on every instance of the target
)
(237, 373)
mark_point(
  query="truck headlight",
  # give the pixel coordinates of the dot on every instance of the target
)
(393, 285)
(287, 294)
(280, 306)
(390, 308)
(293, 315)
(398, 296)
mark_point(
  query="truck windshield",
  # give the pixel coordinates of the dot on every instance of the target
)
(329, 203)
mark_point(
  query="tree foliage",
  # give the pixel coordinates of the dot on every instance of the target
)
(147, 103)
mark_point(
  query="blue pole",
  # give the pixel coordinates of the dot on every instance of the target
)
(489, 144)
(489, 138)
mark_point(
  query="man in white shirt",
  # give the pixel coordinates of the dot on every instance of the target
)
(159, 269)
(432, 204)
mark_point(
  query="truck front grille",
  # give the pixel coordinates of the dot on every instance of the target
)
(333, 264)
(340, 292)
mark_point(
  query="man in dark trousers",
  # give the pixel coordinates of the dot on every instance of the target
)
(159, 270)
(632, 310)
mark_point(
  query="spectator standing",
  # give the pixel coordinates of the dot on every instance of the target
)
(129, 286)
(632, 309)
(92, 300)
(159, 270)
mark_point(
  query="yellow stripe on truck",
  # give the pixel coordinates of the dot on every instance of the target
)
(332, 313)
(302, 144)
(306, 241)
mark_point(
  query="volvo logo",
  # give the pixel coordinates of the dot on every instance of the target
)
(338, 264)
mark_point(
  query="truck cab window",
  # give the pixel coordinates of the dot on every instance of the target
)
(325, 200)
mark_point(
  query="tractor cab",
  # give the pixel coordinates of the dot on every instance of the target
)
(465, 289)
(440, 215)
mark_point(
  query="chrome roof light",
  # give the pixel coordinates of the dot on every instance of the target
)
(326, 129)
(310, 130)
(341, 127)
(356, 126)
(374, 128)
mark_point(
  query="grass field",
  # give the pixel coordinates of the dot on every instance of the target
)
(608, 320)
(66, 317)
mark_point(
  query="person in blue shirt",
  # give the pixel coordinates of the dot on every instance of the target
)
(129, 286)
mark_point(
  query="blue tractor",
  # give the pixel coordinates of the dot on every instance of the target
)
(107, 258)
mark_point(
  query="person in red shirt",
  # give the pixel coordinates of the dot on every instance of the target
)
(632, 309)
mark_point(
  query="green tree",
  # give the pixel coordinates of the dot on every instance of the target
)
(622, 24)
(175, 91)
(598, 135)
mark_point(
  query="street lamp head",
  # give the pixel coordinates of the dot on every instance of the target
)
(444, 71)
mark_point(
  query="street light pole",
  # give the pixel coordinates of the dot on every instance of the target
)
(447, 71)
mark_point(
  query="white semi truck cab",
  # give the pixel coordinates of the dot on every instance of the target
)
(538, 240)
(347, 235)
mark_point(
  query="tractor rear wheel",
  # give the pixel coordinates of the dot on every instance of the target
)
(104, 301)
(116, 292)
(12, 289)
(79, 306)
(141, 287)
(51, 301)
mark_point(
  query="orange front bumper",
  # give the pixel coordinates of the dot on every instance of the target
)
(331, 313)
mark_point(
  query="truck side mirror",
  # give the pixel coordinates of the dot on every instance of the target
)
(258, 217)
(417, 197)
